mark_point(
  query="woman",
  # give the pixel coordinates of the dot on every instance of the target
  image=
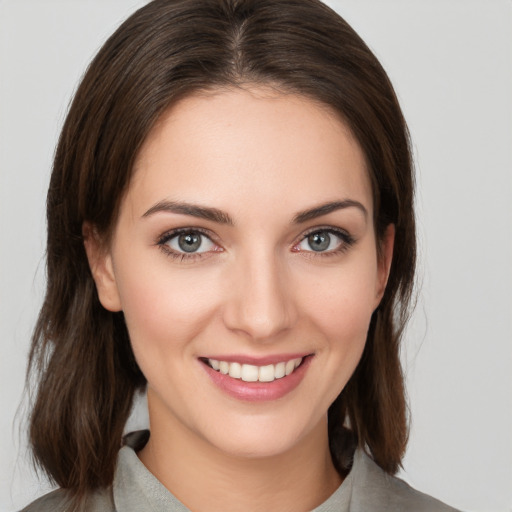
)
(231, 227)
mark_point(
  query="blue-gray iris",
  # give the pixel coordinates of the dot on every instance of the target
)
(189, 242)
(319, 241)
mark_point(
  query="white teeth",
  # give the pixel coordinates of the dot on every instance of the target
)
(253, 373)
(223, 367)
(249, 373)
(267, 373)
(235, 370)
(290, 366)
(280, 370)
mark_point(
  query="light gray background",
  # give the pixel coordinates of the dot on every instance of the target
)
(451, 63)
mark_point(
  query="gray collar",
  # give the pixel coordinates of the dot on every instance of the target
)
(136, 489)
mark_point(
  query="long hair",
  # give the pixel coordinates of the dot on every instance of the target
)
(81, 355)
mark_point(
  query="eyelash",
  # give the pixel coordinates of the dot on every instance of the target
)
(181, 256)
(347, 241)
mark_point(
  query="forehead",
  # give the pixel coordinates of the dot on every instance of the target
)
(236, 147)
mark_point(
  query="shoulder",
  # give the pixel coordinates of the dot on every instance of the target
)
(55, 501)
(59, 501)
(101, 500)
(374, 489)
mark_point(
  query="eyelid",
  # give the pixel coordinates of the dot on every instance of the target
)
(188, 229)
(346, 238)
(164, 238)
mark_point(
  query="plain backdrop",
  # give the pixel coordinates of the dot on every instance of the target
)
(451, 63)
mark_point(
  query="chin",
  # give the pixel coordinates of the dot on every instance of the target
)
(254, 437)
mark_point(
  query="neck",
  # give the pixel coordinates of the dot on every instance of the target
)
(205, 478)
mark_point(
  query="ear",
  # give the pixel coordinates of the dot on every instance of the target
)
(385, 257)
(102, 269)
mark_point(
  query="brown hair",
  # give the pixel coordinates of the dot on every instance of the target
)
(81, 353)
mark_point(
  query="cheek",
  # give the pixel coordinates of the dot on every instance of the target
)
(342, 303)
(336, 313)
(339, 310)
(164, 310)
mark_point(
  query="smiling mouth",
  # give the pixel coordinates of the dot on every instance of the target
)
(254, 373)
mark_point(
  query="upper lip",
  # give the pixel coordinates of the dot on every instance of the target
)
(257, 360)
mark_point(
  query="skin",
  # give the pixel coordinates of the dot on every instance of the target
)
(258, 289)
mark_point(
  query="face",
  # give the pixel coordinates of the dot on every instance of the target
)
(245, 262)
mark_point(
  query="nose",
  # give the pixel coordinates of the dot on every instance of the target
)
(260, 300)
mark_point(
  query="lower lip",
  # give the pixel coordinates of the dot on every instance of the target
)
(258, 391)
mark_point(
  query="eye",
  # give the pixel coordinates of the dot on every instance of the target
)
(325, 241)
(187, 242)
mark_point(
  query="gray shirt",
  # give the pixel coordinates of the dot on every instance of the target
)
(367, 488)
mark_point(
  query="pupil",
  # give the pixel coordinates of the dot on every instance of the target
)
(189, 242)
(319, 241)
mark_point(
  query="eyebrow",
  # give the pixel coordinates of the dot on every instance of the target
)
(326, 208)
(220, 217)
(203, 212)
